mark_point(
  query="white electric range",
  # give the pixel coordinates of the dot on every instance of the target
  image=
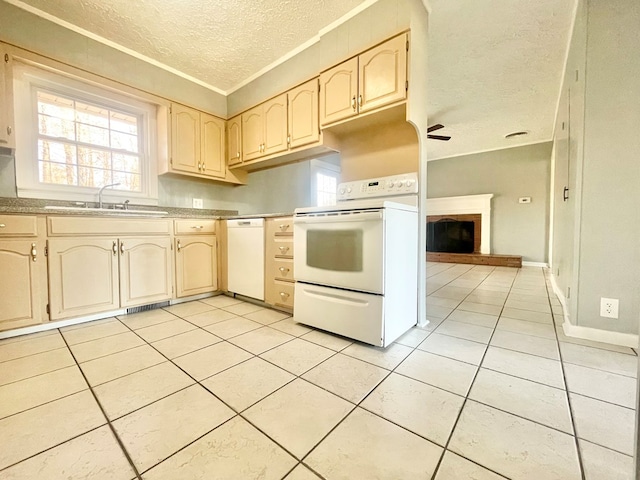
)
(356, 263)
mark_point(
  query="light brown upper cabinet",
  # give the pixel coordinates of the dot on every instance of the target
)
(197, 143)
(7, 136)
(374, 79)
(264, 129)
(303, 115)
(234, 140)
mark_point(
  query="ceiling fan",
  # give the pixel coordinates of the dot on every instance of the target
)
(435, 127)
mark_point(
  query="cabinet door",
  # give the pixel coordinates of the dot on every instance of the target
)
(145, 270)
(303, 114)
(6, 99)
(83, 276)
(212, 152)
(275, 125)
(338, 92)
(383, 74)
(185, 141)
(252, 134)
(196, 265)
(234, 140)
(23, 268)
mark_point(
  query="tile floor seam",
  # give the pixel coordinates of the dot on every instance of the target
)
(104, 413)
(109, 354)
(31, 355)
(466, 398)
(592, 346)
(35, 376)
(571, 414)
(52, 447)
(44, 403)
(599, 369)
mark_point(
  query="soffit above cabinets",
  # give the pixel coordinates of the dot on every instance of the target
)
(495, 66)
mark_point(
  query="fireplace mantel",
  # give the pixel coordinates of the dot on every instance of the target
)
(480, 204)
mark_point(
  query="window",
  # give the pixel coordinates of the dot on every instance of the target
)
(74, 138)
(324, 182)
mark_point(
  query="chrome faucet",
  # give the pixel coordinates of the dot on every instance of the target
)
(102, 189)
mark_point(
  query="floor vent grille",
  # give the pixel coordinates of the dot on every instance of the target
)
(145, 308)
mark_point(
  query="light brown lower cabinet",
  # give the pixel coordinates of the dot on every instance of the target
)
(23, 282)
(90, 275)
(279, 279)
(196, 264)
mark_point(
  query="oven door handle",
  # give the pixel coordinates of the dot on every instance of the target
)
(336, 298)
(340, 217)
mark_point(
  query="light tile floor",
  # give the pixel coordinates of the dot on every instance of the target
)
(223, 389)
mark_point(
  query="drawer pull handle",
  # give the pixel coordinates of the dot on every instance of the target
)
(283, 270)
(283, 250)
(359, 100)
(353, 103)
(34, 252)
(238, 155)
(122, 248)
(199, 166)
(114, 248)
(284, 295)
(284, 227)
(2, 225)
(204, 167)
(198, 227)
(179, 247)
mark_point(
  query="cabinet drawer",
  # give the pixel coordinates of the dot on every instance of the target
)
(281, 247)
(282, 269)
(283, 227)
(18, 225)
(284, 293)
(195, 226)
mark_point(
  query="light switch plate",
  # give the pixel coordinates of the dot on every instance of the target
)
(197, 203)
(524, 200)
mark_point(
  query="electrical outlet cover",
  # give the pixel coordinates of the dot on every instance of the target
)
(197, 203)
(609, 307)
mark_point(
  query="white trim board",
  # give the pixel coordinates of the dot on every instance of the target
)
(588, 333)
(535, 264)
(598, 335)
(466, 204)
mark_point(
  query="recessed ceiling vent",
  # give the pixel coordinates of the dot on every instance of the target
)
(516, 134)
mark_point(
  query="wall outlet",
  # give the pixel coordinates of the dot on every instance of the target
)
(197, 203)
(609, 307)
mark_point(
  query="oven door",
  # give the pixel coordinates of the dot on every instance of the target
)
(340, 249)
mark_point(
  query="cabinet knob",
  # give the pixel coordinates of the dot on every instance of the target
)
(199, 166)
(353, 103)
(178, 246)
(359, 100)
(122, 248)
(114, 248)
(283, 227)
(204, 167)
(9, 130)
(34, 252)
(238, 155)
(284, 295)
(283, 250)
(283, 270)
(2, 225)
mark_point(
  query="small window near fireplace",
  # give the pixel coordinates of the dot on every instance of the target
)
(450, 236)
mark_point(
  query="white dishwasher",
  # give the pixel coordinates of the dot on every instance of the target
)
(245, 257)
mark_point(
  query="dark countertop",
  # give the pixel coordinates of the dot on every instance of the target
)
(29, 206)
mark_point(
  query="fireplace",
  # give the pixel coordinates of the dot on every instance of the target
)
(454, 233)
(475, 208)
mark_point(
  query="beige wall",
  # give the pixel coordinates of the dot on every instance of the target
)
(516, 229)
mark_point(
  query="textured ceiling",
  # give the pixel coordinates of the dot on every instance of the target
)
(220, 42)
(495, 66)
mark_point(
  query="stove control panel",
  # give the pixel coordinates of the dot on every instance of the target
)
(405, 184)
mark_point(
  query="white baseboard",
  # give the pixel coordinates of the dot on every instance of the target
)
(588, 333)
(597, 335)
(535, 264)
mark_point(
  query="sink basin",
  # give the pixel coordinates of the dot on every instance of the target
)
(112, 211)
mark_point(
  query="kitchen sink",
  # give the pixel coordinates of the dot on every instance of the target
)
(112, 211)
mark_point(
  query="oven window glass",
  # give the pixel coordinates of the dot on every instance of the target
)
(336, 250)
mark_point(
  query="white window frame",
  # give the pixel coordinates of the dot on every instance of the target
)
(26, 80)
(319, 166)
